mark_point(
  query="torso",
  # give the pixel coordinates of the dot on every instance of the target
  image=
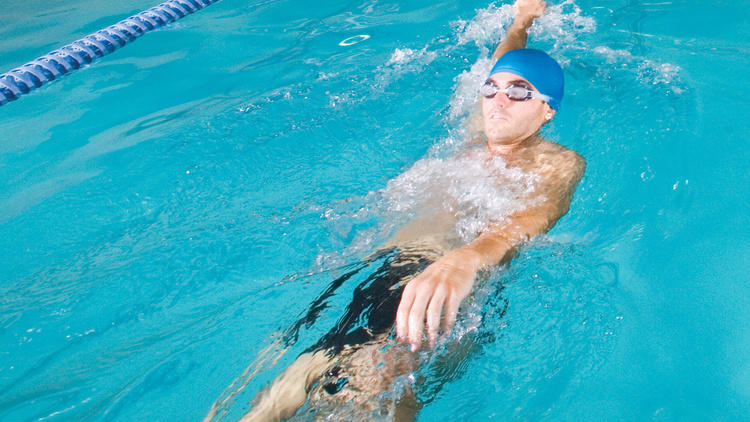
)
(551, 163)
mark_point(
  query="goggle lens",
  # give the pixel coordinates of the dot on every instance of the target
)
(518, 93)
(514, 92)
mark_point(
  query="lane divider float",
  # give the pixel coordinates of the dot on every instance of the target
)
(60, 62)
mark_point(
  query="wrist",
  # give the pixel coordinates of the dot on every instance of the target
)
(491, 249)
(522, 23)
(467, 258)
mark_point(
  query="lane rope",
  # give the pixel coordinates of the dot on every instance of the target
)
(55, 64)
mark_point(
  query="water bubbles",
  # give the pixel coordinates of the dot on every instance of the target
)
(655, 73)
(403, 61)
(646, 71)
(458, 197)
(477, 188)
(487, 27)
(467, 88)
(612, 55)
(562, 24)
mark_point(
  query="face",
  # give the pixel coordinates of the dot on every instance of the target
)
(507, 122)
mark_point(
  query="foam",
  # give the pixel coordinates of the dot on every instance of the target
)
(467, 88)
(477, 187)
(403, 61)
(487, 27)
(647, 71)
(562, 25)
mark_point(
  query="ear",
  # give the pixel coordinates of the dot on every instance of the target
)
(549, 112)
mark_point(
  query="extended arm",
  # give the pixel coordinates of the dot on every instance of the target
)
(515, 37)
(440, 289)
(516, 34)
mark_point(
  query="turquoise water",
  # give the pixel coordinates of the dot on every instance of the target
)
(167, 211)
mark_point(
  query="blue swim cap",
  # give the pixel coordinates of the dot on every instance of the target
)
(537, 67)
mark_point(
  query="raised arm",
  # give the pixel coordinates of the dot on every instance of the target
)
(516, 34)
(440, 289)
(515, 37)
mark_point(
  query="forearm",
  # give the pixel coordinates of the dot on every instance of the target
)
(498, 244)
(515, 37)
(489, 249)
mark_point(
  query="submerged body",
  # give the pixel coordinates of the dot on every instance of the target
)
(351, 371)
(348, 373)
(428, 268)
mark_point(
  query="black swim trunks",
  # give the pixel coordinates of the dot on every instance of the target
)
(372, 310)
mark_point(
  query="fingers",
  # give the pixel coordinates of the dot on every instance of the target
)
(413, 311)
(451, 310)
(417, 317)
(436, 292)
(434, 310)
(402, 315)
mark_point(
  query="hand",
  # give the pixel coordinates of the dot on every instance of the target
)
(438, 290)
(528, 10)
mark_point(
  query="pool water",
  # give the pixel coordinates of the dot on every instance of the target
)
(168, 211)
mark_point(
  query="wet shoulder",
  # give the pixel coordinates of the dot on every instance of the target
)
(558, 164)
(549, 150)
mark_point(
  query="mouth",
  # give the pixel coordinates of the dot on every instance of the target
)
(498, 116)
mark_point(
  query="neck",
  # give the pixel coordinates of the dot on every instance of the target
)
(508, 149)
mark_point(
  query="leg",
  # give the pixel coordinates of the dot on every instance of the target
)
(288, 391)
(406, 408)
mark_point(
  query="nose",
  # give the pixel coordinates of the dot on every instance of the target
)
(502, 100)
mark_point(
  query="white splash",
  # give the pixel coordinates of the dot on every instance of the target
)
(403, 61)
(477, 188)
(562, 24)
(649, 72)
(487, 27)
(401, 57)
(611, 55)
(467, 88)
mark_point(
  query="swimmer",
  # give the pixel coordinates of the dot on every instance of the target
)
(422, 278)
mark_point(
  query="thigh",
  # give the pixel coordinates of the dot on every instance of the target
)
(366, 382)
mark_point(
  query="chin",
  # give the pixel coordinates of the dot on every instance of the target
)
(498, 137)
(497, 131)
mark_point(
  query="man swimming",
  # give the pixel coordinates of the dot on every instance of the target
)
(423, 276)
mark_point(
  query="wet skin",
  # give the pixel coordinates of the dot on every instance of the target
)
(511, 130)
(431, 299)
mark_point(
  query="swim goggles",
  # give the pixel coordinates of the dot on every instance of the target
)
(515, 92)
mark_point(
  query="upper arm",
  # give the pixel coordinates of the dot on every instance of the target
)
(556, 192)
(515, 38)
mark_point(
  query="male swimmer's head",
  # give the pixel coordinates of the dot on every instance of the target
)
(522, 93)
